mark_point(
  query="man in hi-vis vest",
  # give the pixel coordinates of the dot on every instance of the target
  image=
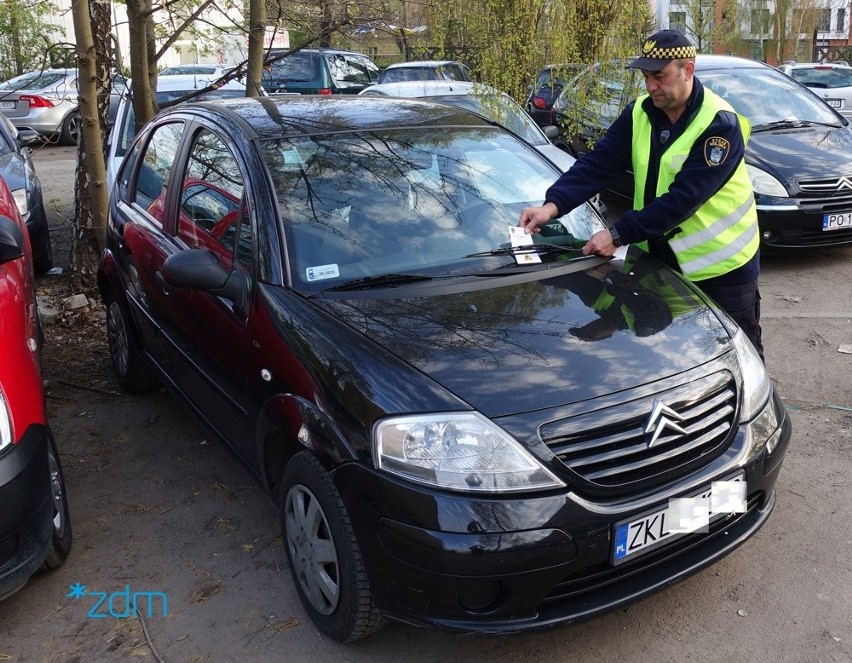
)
(693, 203)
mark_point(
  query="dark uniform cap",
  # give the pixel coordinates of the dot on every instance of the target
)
(661, 48)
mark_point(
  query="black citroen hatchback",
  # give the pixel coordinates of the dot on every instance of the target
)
(462, 429)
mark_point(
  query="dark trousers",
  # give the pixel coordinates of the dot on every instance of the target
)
(742, 303)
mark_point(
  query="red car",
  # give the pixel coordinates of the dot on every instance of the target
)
(35, 530)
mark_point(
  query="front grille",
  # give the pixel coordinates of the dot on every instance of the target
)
(591, 581)
(826, 196)
(608, 451)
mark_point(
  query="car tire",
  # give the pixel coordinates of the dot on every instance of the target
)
(133, 372)
(61, 536)
(69, 132)
(333, 587)
(42, 248)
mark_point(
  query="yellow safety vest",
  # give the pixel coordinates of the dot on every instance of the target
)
(722, 234)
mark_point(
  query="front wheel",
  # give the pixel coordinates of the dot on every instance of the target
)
(60, 541)
(325, 560)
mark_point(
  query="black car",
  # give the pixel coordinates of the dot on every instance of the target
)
(463, 427)
(18, 171)
(797, 154)
(318, 71)
(551, 80)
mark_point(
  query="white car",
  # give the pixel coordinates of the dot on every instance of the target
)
(169, 88)
(831, 82)
(44, 101)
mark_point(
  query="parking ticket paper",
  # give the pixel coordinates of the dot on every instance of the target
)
(520, 238)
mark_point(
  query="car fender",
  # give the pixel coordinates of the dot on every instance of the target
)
(288, 424)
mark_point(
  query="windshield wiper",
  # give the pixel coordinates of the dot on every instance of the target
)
(381, 280)
(789, 124)
(537, 249)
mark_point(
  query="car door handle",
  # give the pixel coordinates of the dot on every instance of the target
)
(164, 286)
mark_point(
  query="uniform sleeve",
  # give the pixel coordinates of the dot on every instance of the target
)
(596, 169)
(698, 180)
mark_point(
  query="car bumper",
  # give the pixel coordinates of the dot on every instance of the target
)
(46, 121)
(27, 511)
(493, 566)
(788, 224)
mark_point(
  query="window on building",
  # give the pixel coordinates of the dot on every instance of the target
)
(840, 25)
(824, 23)
(761, 20)
(677, 21)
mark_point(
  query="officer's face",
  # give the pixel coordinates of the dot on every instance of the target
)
(671, 86)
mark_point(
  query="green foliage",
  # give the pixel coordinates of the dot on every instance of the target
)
(508, 42)
(27, 40)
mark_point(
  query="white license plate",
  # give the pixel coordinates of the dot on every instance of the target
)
(842, 221)
(635, 537)
(835, 103)
(7, 105)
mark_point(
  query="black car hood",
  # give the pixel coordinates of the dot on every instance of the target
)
(525, 346)
(793, 155)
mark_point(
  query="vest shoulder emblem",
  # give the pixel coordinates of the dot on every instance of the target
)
(716, 150)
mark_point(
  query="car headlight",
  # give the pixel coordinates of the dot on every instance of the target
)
(20, 197)
(765, 184)
(755, 381)
(458, 451)
(6, 433)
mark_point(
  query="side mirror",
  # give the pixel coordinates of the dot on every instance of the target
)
(11, 240)
(551, 132)
(29, 138)
(198, 269)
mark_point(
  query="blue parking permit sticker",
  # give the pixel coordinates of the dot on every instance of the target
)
(322, 272)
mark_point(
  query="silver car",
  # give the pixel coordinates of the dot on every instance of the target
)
(44, 101)
(831, 82)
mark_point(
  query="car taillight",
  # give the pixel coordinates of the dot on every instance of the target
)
(325, 90)
(539, 103)
(36, 101)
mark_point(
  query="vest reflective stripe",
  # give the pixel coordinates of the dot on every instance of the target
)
(722, 234)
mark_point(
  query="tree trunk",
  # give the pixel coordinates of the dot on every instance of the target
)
(256, 39)
(90, 194)
(143, 95)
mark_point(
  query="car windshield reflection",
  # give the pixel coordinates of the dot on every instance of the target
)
(362, 205)
(780, 99)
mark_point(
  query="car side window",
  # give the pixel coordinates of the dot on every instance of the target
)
(213, 211)
(152, 178)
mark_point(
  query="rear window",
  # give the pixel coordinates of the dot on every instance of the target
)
(352, 68)
(296, 68)
(824, 78)
(36, 80)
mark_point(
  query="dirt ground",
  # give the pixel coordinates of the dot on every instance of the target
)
(158, 506)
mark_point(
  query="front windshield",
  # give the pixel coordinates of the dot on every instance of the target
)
(779, 98)
(402, 201)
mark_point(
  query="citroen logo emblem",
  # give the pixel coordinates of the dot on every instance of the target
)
(662, 418)
(844, 183)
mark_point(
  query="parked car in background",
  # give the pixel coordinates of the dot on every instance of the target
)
(464, 426)
(35, 528)
(169, 88)
(206, 70)
(832, 82)
(18, 171)
(44, 101)
(548, 84)
(319, 71)
(426, 70)
(797, 154)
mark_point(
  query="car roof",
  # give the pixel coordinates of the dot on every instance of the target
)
(301, 115)
(426, 88)
(416, 64)
(706, 61)
(191, 82)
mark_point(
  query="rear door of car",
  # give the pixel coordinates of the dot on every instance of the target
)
(203, 340)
